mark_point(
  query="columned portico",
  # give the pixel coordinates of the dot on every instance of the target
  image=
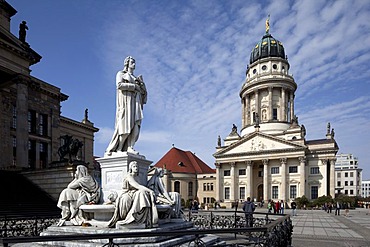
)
(283, 178)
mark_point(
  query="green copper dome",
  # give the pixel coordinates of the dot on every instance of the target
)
(268, 46)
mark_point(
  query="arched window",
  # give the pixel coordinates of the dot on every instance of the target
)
(177, 186)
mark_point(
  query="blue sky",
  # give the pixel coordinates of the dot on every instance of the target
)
(193, 56)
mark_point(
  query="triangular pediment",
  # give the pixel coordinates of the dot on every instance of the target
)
(258, 142)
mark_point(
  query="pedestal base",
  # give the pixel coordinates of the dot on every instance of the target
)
(115, 167)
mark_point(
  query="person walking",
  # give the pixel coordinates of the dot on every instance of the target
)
(269, 206)
(337, 208)
(248, 209)
(282, 207)
(293, 205)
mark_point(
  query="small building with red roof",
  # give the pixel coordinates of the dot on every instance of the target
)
(188, 175)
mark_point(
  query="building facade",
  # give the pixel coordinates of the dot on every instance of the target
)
(270, 157)
(348, 176)
(188, 175)
(365, 187)
(30, 110)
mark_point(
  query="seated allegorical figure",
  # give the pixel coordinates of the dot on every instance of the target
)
(136, 203)
(82, 190)
(162, 195)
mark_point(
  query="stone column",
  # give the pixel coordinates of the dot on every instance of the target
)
(22, 122)
(332, 178)
(249, 178)
(283, 178)
(270, 115)
(248, 107)
(257, 103)
(302, 178)
(244, 111)
(324, 170)
(266, 185)
(218, 181)
(283, 105)
(291, 105)
(232, 187)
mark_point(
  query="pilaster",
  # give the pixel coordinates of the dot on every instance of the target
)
(332, 177)
(22, 121)
(233, 185)
(218, 181)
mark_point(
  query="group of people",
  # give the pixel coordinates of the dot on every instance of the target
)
(276, 207)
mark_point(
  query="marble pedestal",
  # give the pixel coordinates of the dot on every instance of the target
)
(115, 167)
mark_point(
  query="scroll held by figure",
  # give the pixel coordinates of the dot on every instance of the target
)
(135, 203)
(131, 96)
(83, 189)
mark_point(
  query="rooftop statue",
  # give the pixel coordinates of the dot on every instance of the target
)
(22, 31)
(131, 96)
(136, 203)
(82, 190)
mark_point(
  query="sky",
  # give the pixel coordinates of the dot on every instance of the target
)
(193, 56)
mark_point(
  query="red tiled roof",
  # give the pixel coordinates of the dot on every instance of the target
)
(179, 161)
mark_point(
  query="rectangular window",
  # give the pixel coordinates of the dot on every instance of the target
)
(204, 187)
(338, 183)
(211, 187)
(345, 183)
(338, 175)
(242, 172)
(293, 169)
(226, 173)
(43, 124)
(314, 192)
(293, 191)
(351, 174)
(274, 114)
(43, 154)
(351, 192)
(275, 192)
(260, 174)
(346, 192)
(32, 154)
(346, 174)
(14, 121)
(242, 193)
(31, 121)
(315, 170)
(190, 189)
(351, 183)
(275, 170)
(227, 193)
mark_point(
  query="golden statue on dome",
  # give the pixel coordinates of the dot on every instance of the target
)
(268, 24)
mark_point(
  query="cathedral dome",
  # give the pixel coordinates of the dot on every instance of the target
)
(268, 46)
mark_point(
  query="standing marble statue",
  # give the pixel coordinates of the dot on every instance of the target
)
(131, 96)
(162, 195)
(83, 189)
(136, 203)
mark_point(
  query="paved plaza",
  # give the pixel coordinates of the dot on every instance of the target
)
(318, 228)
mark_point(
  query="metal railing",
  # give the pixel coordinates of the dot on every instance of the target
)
(268, 230)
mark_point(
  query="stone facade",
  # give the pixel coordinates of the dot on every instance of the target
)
(270, 158)
(30, 117)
